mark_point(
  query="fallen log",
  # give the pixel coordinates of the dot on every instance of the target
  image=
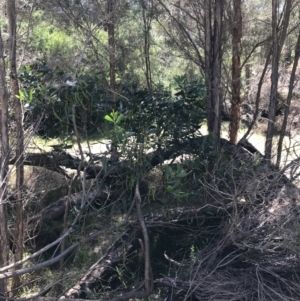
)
(54, 160)
(46, 160)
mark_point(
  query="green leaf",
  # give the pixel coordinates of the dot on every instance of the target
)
(30, 95)
(168, 171)
(181, 174)
(108, 118)
(119, 118)
(22, 95)
(114, 115)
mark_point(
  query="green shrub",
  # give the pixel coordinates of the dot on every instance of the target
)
(49, 39)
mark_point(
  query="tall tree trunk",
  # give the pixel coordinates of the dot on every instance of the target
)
(213, 12)
(4, 159)
(208, 65)
(217, 51)
(111, 44)
(277, 44)
(274, 81)
(147, 25)
(288, 101)
(236, 71)
(19, 233)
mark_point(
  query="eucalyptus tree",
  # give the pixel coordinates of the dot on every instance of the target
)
(278, 38)
(110, 23)
(19, 147)
(236, 31)
(6, 95)
(147, 14)
(288, 100)
(4, 159)
(213, 18)
(196, 30)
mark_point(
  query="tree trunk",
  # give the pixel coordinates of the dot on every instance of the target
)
(288, 101)
(208, 65)
(217, 61)
(19, 237)
(257, 98)
(147, 26)
(277, 44)
(111, 44)
(274, 82)
(236, 71)
(213, 12)
(4, 247)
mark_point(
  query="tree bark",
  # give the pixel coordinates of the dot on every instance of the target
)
(213, 12)
(217, 61)
(147, 26)
(236, 71)
(208, 65)
(4, 246)
(19, 225)
(111, 43)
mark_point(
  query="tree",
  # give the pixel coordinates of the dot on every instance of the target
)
(19, 152)
(236, 31)
(193, 38)
(4, 159)
(147, 13)
(213, 20)
(278, 38)
(288, 101)
(91, 19)
(111, 42)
